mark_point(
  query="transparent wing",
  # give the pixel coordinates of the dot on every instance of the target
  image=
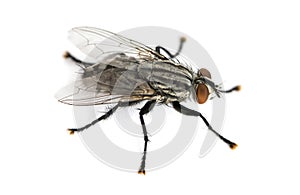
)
(107, 83)
(97, 44)
(79, 94)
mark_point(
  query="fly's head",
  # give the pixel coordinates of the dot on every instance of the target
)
(202, 90)
(205, 87)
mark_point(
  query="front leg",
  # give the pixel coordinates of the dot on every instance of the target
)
(159, 48)
(186, 111)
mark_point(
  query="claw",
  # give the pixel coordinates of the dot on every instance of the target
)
(66, 55)
(182, 39)
(71, 131)
(142, 172)
(233, 146)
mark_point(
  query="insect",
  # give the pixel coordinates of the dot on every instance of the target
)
(126, 72)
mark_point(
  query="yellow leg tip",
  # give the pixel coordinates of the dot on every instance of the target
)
(142, 172)
(71, 132)
(233, 146)
(238, 88)
(66, 55)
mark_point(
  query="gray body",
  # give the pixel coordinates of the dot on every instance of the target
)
(134, 79)
(125, 71)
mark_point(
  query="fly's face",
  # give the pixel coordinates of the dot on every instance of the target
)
(202, 90)
(205, 87)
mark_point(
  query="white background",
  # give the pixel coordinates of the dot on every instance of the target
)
(254, 43)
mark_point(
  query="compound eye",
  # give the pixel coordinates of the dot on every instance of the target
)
(202, 93)
(205, 72)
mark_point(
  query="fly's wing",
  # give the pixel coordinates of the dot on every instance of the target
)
(113, 77)
(97, 44)
(79, 94)
(107, 83)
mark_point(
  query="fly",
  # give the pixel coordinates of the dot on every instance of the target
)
(128, 72)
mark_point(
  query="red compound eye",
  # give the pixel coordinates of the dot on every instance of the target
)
(202, 93)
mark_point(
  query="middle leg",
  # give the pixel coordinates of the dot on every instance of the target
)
(144, 110)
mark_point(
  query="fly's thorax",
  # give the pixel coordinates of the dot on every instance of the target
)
(171, 81)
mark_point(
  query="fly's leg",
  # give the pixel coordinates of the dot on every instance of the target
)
(159, 48)
(76, 60)
(105, 116)
(186, 111)
(146, 109)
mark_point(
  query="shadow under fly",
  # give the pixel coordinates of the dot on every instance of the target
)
(128, 72)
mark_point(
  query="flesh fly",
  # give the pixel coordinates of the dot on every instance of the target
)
(126, 72)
